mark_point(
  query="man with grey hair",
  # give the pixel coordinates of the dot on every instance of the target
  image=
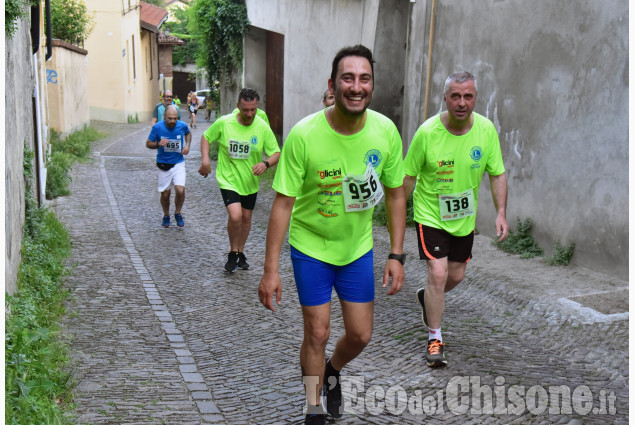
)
(159, 109)
(448, 156)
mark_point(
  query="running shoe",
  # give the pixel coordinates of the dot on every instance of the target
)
(315, 420)
(232, 262)
(434, 353)
(332, 389)
(179, 220)
(420, 298)
(242, 261)
(166, 221)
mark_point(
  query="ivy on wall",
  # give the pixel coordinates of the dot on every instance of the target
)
(220, 26)
(15, 10)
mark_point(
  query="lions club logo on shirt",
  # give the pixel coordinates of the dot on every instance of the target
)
(476, 153)
(254, 140)
(373, 156)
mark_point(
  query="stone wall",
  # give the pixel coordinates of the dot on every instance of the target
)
(18, 124)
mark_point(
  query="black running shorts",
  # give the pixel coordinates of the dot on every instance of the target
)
(436, 243)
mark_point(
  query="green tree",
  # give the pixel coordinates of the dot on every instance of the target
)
(160, 3)
(178, 26)
(71, 21)
(219, 26)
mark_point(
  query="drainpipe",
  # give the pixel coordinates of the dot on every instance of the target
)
(49, 31)
(428, 71)
(39, 146)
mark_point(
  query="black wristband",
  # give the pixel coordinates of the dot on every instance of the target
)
(266, 164)
(399, 257)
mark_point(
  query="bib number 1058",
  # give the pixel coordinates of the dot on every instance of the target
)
(238, 150)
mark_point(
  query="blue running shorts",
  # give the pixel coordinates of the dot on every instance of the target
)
(315, 279)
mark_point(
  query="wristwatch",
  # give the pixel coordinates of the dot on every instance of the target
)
(399, 257)
(266, 164)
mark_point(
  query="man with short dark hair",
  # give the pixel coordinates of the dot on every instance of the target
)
(448, 155)
(259, 111)
(171, 138)
(329, 179)
(159, 109)
(242, 137)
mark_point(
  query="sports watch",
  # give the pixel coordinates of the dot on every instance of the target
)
(399, 257)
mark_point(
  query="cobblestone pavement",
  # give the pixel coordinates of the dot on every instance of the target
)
(161, 335)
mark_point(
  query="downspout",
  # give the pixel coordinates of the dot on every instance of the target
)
(49, 31)
(428, 71)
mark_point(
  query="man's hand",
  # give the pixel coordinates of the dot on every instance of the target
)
(393, 269)
(259, 168)
(185, 150)
(270, 284)
(502, 229)
(205, 169)
(163, 142)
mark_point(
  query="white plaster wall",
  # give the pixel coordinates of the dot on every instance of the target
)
(68, 103)
(314, 31)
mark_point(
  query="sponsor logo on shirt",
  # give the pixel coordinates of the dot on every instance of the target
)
(444, 163)
(335, 174)
(439, 180)
(445, 172)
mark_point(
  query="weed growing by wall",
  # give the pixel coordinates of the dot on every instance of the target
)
(521, 241)
(380, 215)
(561, 254)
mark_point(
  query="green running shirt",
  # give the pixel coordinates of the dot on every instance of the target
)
(314, 162)
(447, 164)
(234, 173)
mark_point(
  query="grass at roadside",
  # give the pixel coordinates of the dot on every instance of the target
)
(64, 153)
(37, 376)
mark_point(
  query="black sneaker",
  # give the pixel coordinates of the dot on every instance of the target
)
(232, 262)
(242, 261)
(434, 354)
(315, 420)
(332, 390)
(420, 298)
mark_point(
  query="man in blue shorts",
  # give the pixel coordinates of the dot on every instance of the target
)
(329, 179)
(171, 138)
(448, 155)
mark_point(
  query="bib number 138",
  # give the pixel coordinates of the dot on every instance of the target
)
(457, 205)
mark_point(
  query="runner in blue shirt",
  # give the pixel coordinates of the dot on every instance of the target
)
(171, 138)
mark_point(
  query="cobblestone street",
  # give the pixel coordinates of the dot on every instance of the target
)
(160, 334)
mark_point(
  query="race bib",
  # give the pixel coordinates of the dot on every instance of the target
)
(362, 192)
(174, 145)
(457, 205)
(238, 149)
